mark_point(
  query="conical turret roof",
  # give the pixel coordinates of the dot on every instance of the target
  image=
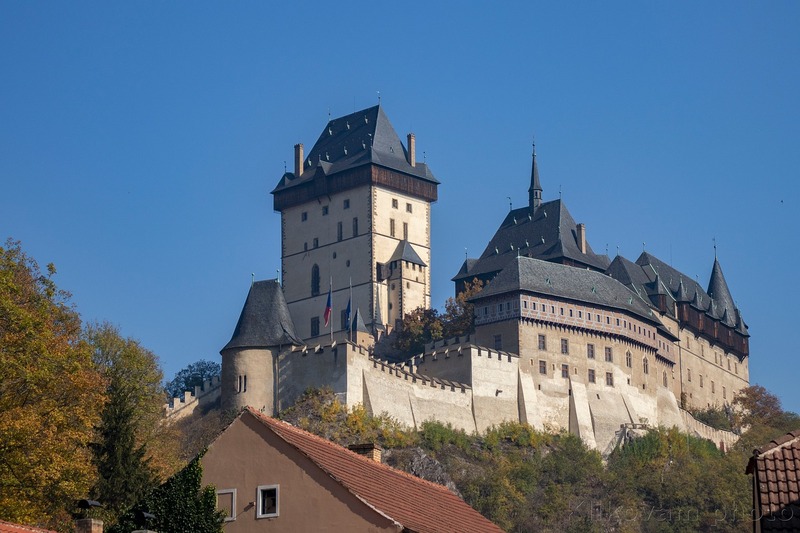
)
(265, 320)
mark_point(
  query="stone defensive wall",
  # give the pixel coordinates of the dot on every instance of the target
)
(202, 397)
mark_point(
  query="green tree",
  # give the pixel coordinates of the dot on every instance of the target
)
(134, 449)
(191, 376)
(179, 505)
(51, 395)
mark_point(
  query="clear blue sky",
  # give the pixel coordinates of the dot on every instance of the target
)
(139, 142)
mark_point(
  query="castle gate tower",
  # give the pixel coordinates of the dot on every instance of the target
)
(355, 213)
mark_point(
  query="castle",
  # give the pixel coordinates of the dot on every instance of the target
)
(564, 338)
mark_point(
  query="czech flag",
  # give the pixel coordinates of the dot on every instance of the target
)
(327, 314)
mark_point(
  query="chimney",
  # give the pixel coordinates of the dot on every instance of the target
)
(369, 450)
(298, 159)
(582, 237)
(88, 525)
(412, 147)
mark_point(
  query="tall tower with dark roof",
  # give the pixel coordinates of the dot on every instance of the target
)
(535, 190)
(355, 212)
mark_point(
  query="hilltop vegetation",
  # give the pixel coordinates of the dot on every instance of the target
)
(525, 480)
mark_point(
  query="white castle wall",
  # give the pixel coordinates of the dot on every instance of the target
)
(202, 397)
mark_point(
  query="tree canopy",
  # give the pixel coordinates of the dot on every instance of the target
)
(191, 376)
(51, 394)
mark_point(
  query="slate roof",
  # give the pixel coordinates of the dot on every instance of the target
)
(776, 467)
(8, 527)
(583, 285)
(265, 320)
(406, 252)
(716, 303)
(361, 138)
(548, 233)
(413, 503)
(357, 324)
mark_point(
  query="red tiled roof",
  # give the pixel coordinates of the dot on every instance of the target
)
(414, 503)
(8, 527)
(776, 467)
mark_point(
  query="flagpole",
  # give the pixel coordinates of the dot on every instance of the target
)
(330, 322)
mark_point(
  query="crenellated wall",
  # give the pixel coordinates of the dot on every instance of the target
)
(202, 397)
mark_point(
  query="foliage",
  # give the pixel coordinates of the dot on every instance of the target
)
(716, 417)
(198, 431)
(419, 327)
(459, 315)
(179, 505)
(191, 376)
(133, 449)
(320, 412)
(755, 405)
(50, 395)
(422, 326)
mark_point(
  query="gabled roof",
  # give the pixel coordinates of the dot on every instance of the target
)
(406, 252)
(8, 527)
(583, 285)
(413, 503)
(354, 140)
(265, 320)
(549, 233)
(776, 467)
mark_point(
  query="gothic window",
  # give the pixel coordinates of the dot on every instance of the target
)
(628, 360)
(315, 280)
(564, 346)
(645, 366)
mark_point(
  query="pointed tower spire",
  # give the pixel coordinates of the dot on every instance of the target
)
(719, 292)
(535, 190)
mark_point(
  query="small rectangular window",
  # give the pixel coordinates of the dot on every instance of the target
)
(609, 354)
(542, 342)
(339, 231)
(564, 371)
(314, 326)
(405, 231)
(268, 501)
(564, 346)
(498, 342)
(688, 374)
(303, 216)
(226, 502)
(543, 367)
(591, 375)
(394, 203)
(316, 242)
(590, 351)
(525, 306)
(355, 227)
(391, 227)
(609, 379)
(409, 208)
(347, 203)
(324, 210)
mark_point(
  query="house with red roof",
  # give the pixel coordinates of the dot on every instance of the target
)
(775, 468)
(272, 476)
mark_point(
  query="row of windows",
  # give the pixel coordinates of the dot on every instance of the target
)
(267, 499)
(396, 204)
(620, 322)
(325, 210)
(591, 376)
(713, 386)
(609, 353)
(392, 230)
(339, 234)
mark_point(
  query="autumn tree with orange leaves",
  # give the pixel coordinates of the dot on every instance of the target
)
(51, 395)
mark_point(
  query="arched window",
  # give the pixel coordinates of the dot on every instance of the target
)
(628, 360)
(645, 366)
(665, 379)
(315, 280)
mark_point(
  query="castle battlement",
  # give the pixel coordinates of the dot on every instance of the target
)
(203, 395)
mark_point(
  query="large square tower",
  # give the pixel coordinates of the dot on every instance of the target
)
(355, 219)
